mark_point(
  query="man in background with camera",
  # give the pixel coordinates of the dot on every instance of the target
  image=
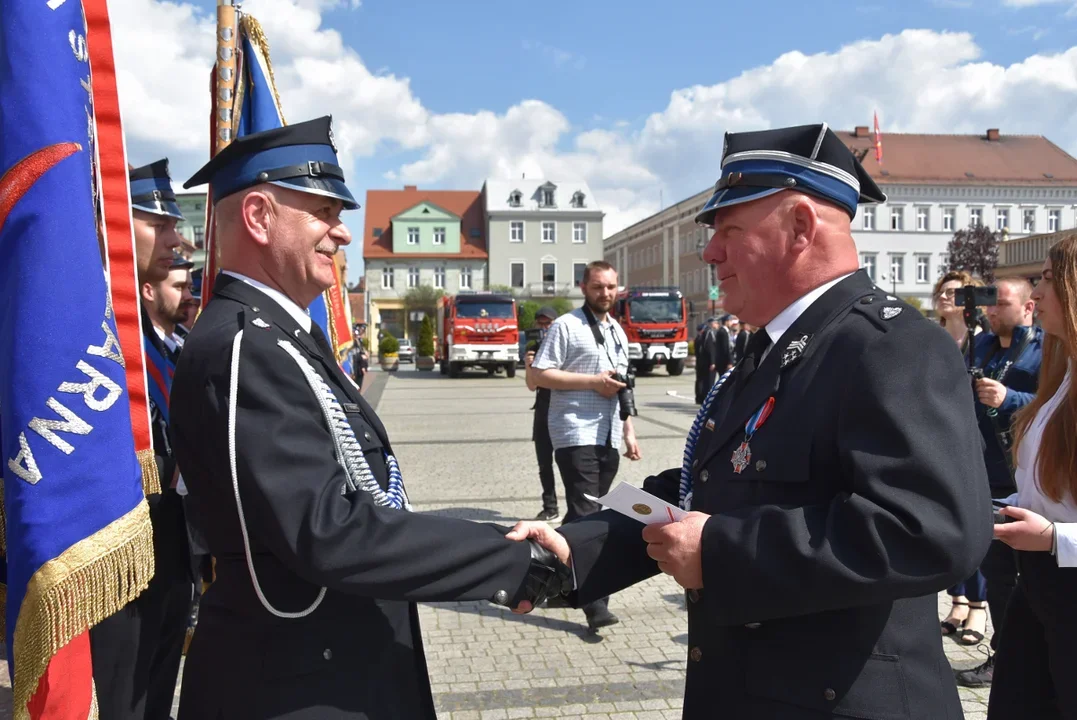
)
(540, 427)
(1006, 368)
(583, 361)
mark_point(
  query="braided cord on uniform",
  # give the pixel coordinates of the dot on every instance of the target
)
(693, 438)
(349, 453)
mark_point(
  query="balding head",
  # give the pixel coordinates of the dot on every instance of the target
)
(771, 251)
(283, 238)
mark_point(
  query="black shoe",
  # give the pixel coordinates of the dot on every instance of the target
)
(601, 619)
(548, 515)
(979, 676)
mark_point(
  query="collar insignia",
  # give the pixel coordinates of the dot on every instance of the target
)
(259, 322)
(795, 350)
(889, 313)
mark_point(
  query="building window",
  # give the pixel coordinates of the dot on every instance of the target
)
(516, 198)
(413, 277)
(549, 232)
(578, 269)
(1028, 222)
(578, 199)
(921, 219)
(976, 217)
(1002, 219)
(413, 236)
(465, 278)
(199, 236)
(944, 260)
(1054, 220)
(923, 268)
(897, 218)
(439, 236)
(387, 278)
(948, 217)
(516, 231)
(549, 277)
(516, 274)
(867, 261)
(869, 218)
(439, 277)
(547, 197)
(897, 269)
(579, 232)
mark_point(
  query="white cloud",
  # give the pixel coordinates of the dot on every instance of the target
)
(918, 80)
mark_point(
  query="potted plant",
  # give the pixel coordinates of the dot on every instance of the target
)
(387, 350)
(425, 349)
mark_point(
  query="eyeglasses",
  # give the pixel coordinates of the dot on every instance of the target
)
(948, 293)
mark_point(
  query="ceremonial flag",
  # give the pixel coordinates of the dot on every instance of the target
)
(878, 141)
(77, 541)
(257, 108)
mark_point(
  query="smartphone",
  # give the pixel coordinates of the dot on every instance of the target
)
(979, 295)
(999, 517)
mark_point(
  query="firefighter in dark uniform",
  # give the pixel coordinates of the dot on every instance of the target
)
(137, 651)
(319, 561)
(826, 516)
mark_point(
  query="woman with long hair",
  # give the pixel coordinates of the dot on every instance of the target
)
(1036, 667)
(967, 619)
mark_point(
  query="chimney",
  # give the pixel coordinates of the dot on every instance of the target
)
(411, 187)
(862, 131)
(992, 134)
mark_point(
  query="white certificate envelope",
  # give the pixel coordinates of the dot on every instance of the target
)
(639, 505)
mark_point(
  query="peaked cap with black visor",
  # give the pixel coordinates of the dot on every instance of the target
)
(300, 157)
(808, 158)
(151, 190)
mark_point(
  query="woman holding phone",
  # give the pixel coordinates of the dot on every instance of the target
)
(1036, 667)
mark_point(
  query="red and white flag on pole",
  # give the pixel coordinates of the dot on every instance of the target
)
(878, 141)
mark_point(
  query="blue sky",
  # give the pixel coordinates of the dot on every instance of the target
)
(631, 96)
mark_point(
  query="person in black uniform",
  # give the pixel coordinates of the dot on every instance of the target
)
(718, 350)
(136, 652)
(540, 426)
(702, 366)
(825, 516)
(319, 560)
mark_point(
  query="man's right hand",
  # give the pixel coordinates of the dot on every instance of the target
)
(544, 535)
(605, 385)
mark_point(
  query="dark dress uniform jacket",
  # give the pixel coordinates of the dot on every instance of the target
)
(864, 497)
(359, 653)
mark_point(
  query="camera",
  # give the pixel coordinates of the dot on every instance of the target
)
(626, 398)
(972, 297)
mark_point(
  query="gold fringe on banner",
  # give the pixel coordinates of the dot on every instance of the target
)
(3, 608)
(88, 582)
(3, 520)
(253, 29)
(151, 483)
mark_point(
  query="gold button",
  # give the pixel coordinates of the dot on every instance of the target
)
(327, 654)
(704, 476)
(695, 654)
(829, 694)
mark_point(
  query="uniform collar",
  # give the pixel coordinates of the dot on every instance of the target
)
(301, 316)
(785, 319)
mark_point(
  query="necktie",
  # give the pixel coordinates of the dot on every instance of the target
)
(322, 341)
(757, 345)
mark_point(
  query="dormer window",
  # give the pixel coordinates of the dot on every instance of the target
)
(516, 198)
(546, 196)
(578, 199)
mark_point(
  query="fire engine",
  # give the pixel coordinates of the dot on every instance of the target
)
(478, 329)
(655, 319)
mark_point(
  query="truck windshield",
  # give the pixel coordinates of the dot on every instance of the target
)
(492, 309)
(655, 310)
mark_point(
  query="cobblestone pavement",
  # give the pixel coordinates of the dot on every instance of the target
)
(465, 449)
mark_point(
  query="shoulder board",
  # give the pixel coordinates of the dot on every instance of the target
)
(253, 317)
(885, 311)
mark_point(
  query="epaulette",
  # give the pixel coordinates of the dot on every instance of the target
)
(253, 316)
(883, 309)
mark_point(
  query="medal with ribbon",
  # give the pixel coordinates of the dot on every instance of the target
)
(743, 454)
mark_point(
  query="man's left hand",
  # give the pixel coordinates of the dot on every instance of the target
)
(990, 392)
(678, 548)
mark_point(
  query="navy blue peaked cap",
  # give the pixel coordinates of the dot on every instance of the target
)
(300, 157)
(151, 190)
(808, 158)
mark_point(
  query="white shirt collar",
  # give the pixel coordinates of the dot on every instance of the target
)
(785, 319)
(298, 314)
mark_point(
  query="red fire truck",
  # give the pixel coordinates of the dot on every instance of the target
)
(655, 319)
(478, 329)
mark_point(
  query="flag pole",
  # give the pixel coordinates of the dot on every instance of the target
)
(226, 72)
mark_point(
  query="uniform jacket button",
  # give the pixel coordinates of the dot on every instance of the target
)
(366, 436)
(829, 694)
(695, 463)
(501, 597)
(704, 476)
(695, 654)
(760, 465)
(693, 595)
(327, 654)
